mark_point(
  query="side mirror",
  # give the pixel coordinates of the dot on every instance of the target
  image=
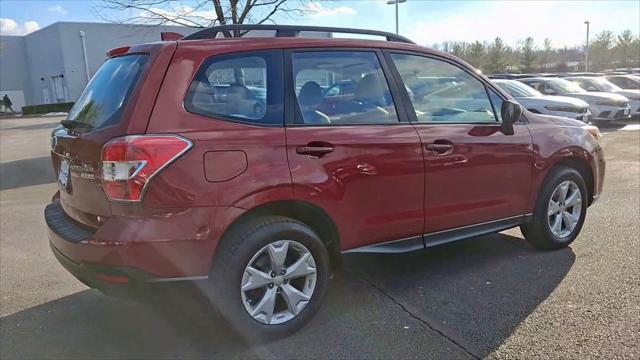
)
(511, 112)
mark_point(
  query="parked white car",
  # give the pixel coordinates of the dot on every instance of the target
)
(601, 84)
(605, 107)
(538, 103)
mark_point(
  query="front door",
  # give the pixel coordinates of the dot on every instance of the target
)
(474, 172)
(349, 152)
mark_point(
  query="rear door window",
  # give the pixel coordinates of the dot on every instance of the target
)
(103, 100)
(244, 87)
(341, 88)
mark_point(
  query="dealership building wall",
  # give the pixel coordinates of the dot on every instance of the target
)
(48, 65)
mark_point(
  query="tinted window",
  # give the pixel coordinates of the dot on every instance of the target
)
(104, 98)
(341, 87)
(246, 87)
(621, 82)
(442, 92)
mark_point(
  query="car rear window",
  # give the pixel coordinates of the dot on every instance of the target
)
(104, 98)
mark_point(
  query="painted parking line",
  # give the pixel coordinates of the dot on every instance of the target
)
(631, 127)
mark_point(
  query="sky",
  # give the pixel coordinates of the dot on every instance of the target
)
(424, 21)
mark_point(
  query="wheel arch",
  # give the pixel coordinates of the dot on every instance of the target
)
(581, 165)
(309, 214)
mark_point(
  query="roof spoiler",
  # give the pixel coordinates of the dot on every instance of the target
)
(170, 36)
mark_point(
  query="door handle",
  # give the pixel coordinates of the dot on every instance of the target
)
(316, 150)
(440, 147)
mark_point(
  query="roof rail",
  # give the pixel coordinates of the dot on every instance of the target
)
(289, 31)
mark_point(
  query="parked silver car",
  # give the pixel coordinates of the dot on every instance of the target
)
(538, 103)
(604, 106)
(592, 84)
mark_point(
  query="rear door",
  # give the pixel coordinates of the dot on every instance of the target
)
(474, 172)
(351, 153)
(117, 101)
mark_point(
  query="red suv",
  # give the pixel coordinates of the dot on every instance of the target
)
(235, 162)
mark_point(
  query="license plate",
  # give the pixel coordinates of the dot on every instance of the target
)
(63, 173)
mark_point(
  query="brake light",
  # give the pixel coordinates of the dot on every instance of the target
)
(129, 163)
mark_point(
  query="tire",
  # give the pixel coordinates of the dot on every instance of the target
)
(603, 123)
(251, 243)
(540, 232)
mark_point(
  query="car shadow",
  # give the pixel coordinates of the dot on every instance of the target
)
(431, 303)
(26, 172)
(475, 291)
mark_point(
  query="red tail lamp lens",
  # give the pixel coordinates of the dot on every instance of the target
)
(118, 51)
(113, 279)
(130, 162)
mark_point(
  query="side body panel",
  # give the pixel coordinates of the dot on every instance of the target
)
(486, 176)
(556, 139)
(371, 184)
(264, 175)
(232, 165)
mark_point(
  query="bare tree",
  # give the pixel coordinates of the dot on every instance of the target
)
(476, 54)
(624, 47)
(497, 54)
(528, 54)
(601, 48)
(460, 49)
(546, 53)
(202, 13)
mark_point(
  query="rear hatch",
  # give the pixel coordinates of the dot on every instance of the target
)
(117, 101)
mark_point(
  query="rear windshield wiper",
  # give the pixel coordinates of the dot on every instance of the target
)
(70, 124)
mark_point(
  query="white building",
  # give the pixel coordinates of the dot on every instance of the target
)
(54, 63)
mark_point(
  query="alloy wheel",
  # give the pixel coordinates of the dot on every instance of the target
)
(278, 282)
(565, 207)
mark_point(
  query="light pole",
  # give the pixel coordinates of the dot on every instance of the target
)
(396, 2)
(586, 50)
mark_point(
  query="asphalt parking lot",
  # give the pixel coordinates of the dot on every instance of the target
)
(492, 296)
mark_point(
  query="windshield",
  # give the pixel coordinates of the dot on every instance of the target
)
(104, 98)
(565, 87)
(518, 89)
(597, 84)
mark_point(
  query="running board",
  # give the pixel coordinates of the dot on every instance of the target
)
(442, 237)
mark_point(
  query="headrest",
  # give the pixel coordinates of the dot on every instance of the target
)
(310, 94)
(370, 89)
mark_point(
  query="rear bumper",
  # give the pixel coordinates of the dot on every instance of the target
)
(116, 281)
(613, 119)
(610, 113)
(125, 251)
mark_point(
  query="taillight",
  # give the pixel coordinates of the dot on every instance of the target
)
(130, 162)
